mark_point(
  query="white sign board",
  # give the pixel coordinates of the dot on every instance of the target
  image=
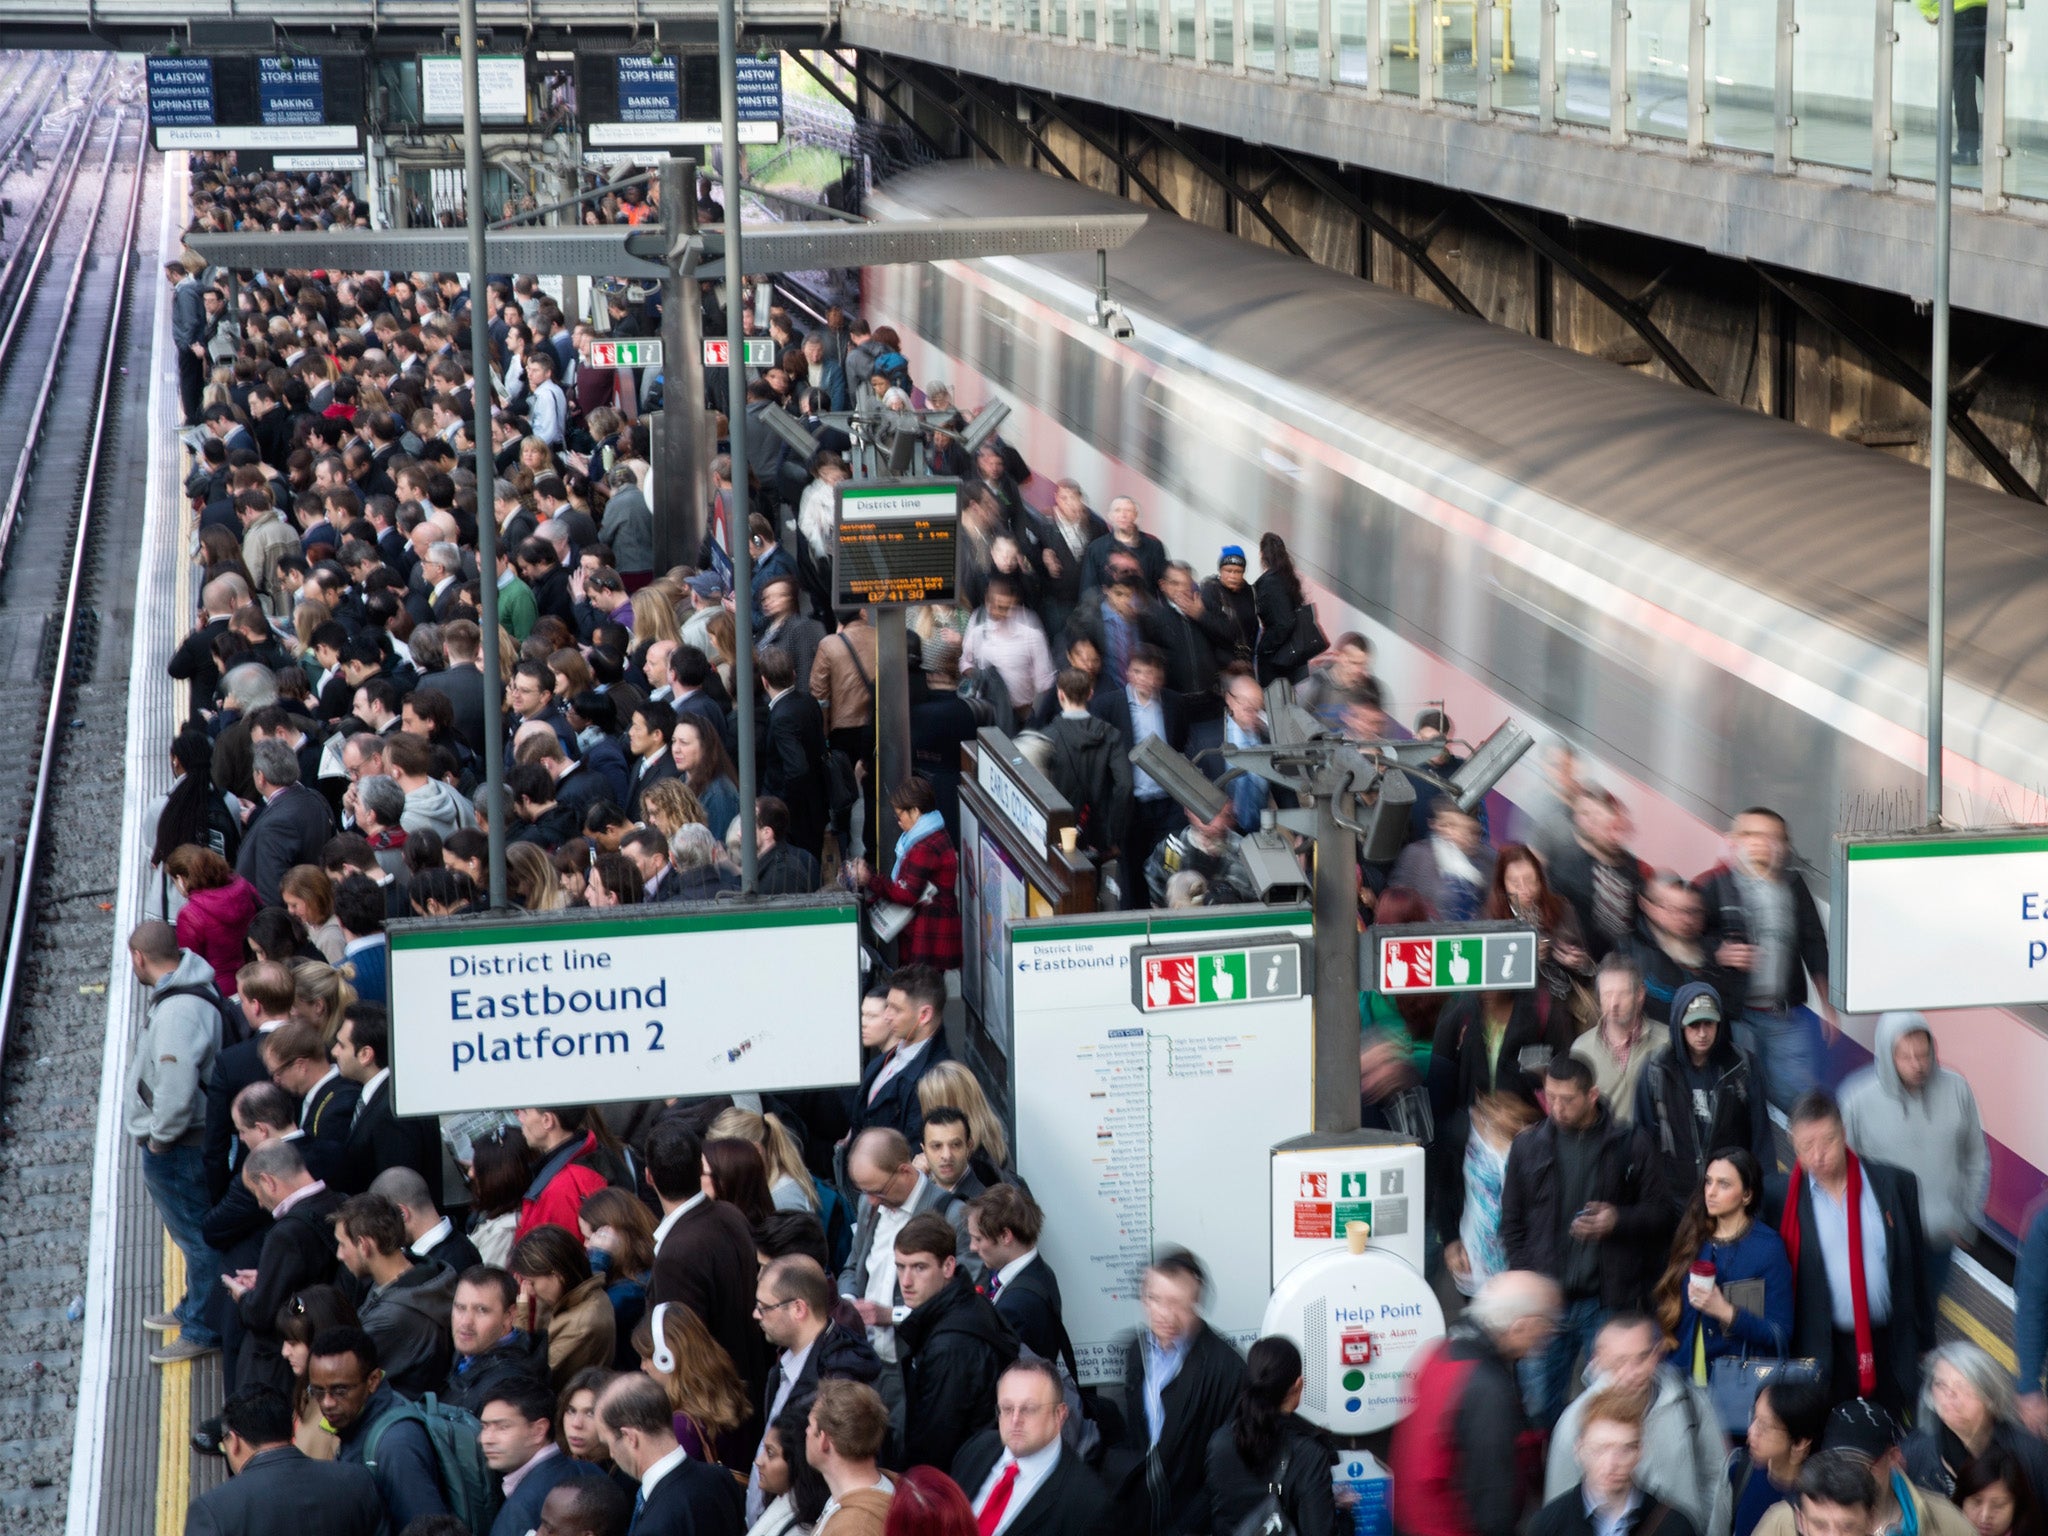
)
(500, 85)
(1321, 1185)
(1156, 1131)
(634, 135)
(256, 136)
(655, 1003)
(1948, 921)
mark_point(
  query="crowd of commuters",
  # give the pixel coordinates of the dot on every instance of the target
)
(829, 1313)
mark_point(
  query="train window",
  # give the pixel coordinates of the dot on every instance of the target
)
(1364, 563)
(1074, 399)
(931, 306)
(1106, 430)
(1162, 433)
(996, 353)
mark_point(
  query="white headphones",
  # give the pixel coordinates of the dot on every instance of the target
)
(664, 1357)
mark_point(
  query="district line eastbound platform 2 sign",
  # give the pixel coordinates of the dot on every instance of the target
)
(655, 1003)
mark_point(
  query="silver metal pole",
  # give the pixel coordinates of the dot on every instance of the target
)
(1937, 436)
(486, 523)
(736, 415)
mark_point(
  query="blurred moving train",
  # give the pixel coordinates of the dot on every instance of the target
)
(1716, 608)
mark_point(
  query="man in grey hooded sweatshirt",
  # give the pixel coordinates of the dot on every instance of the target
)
(1908, 1110)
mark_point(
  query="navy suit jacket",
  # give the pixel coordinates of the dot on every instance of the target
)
(896, 1105)
(521, 1512)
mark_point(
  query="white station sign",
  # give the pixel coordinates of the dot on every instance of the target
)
(1941, 920)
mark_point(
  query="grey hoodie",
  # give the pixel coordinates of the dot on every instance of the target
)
(174, 1055)
(1934, 1134)
(434, 806)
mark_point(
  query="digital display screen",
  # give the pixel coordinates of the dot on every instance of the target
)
(897, 544)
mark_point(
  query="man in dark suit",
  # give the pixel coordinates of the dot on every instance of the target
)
(888, 1087)
(193, 660)
(704, 1254)
(794, 1300)
(679, 1495)
(290, 827)
(648, 730)
(793, 753)
(1157, 1473)
(298, 1251)
(1141, 710)
(518, 1441)
(236, 1225)
(266, 991)
(299, 1064)
(429, 1236)
(1873, 1349)
(1020, 1477)
(378, 1137)
(1003, 1227)
(276, 1489)
(462, 681)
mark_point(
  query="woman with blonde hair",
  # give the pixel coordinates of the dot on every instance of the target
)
(531, 880)
(670, 806)
(654, 618)
(321, 995)
(309, 896)
(952, 1084)
(712, 1413)
(790, 1185)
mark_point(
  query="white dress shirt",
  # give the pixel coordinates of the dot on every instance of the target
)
(1032, 1471)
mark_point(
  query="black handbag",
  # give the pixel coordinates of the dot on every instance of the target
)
(1268, 1517)
(1303, 645)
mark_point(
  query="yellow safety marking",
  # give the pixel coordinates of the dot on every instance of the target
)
(1979, 1335)
(174, 1416)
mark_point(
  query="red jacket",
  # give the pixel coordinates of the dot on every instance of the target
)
(1460, 1459)
(566, 1178)
(214, 923)
(933, 937)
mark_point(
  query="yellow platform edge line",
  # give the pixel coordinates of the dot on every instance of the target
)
(174, 1417)
(1979, 1335)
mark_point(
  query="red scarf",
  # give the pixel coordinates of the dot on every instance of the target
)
(1859, 1290)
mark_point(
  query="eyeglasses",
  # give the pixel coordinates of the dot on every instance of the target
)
(762, 1309)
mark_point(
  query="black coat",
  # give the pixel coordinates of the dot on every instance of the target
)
(1199, 1401)
(952, 1350)
(234, 1069)
(1525, 1049)
(837, 1354)
(1091, 768)
(1070, 1502)
(455, 1250)
(1664, 1111)
(896, 1105)
(464, 688)
(518, 1357)
(793, 766)
(645, 776)
(298, 1251)
(325, 1117)
(377, 1138)
(1912, 1320)
(284, 1492)
(1307, 1496)
(1030, 1304)
(193, 662)
(1150, 555)
(1626, 1173)
(1571, 876)
(696, 1498)
(1727, 923)
(708, 1263)
(1566, 1515)
(290, 829)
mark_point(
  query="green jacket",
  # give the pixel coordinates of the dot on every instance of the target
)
(1931, 9)
(516, 609)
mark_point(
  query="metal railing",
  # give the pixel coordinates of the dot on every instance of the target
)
(1843, 89)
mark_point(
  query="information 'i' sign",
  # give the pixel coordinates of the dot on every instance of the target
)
(1453, 957)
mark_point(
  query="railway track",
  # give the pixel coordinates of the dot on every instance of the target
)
(71, 424)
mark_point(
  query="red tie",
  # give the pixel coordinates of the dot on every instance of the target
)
(998, 1501)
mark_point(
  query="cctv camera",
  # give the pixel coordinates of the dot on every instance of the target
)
(1112, 320)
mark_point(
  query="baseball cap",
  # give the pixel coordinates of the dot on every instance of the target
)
(1233, 554)
(1862, 1427)
(1702, 1006)
(707, 584)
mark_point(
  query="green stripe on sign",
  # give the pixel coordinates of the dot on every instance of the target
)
(885, 492)
(1274, 920)
(548, 933)
(1961, 847)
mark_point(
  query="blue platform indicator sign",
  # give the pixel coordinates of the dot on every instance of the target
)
(180, 93)
(290, 92)
(650, 89)
(760, 89)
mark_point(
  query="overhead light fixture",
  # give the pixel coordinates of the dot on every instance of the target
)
(984, 425)
(1181, 779)
(1489, 764)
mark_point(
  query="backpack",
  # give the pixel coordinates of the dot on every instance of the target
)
(466, 1480)
(234, 1027)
